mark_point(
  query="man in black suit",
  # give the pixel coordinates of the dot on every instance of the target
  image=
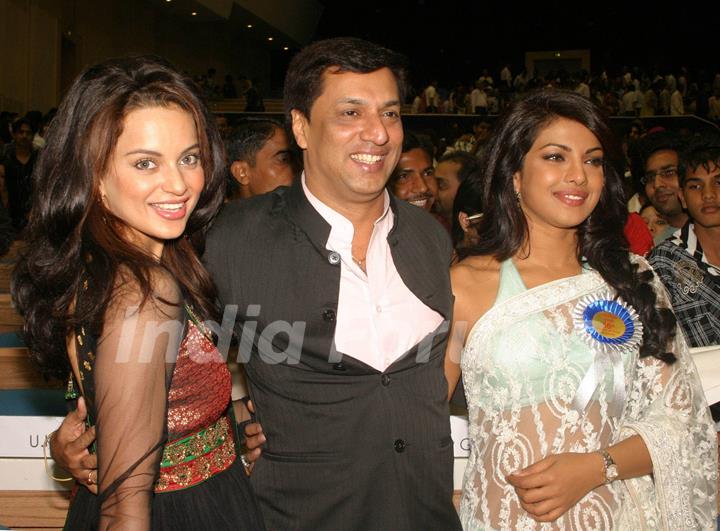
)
(344, 297)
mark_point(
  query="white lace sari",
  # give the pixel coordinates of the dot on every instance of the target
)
(535, 387)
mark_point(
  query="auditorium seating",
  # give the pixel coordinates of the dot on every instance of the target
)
(24, 393)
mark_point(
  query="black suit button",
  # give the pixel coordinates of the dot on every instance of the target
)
(334, 258)
(328, 315)
(339, 367)
(399, 446)
(385, 380)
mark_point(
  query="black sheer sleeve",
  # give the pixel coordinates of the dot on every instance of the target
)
(134, 358)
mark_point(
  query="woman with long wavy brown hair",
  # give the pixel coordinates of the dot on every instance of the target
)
(114, 294)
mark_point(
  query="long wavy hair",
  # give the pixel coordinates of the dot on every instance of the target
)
(74, 240)
(503, 231)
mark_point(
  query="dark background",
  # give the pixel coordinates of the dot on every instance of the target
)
(453, 41)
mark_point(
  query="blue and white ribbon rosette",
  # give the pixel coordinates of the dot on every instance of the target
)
(610, 327)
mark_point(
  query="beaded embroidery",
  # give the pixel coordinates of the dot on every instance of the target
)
(197, 457)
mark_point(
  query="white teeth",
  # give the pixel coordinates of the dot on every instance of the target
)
(169, 206)
(366, 158)
(574, 197)
(420, 203)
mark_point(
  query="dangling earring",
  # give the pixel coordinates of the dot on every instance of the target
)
(517, 196)
(101, 205)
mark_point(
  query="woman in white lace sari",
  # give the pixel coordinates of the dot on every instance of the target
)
(585, 408)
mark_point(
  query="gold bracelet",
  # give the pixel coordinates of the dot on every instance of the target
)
(45, 446)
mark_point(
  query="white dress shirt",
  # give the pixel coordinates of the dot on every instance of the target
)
(378, 317)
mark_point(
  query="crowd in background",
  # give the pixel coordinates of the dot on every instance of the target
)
(21, 137)
(231, 88)
(633, 92)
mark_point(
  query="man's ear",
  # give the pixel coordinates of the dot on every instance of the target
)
(463, 219)
(299, 125)
(241, 171)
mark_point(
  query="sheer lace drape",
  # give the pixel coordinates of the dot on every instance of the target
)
(522, 367)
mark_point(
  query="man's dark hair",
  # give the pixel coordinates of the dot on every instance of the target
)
(413, 140)
(661, 141)
(646, 147)
(35, 119)
(468, 164)
(17, 124)
(250, 136)
(702, 151)
(304, 78)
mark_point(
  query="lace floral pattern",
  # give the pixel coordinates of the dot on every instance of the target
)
(522, 367)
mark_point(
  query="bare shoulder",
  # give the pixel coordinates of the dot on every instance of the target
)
(475, 271)
(163, 301)
(475, 283)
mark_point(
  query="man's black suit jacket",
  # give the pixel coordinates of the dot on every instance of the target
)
(348, 447)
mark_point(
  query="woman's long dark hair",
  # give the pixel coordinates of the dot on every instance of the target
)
(73, 239)
(601, 241)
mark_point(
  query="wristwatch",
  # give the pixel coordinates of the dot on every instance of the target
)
(611, 471)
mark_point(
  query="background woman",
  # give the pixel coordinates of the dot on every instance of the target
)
(584, 407)
(131, 176)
